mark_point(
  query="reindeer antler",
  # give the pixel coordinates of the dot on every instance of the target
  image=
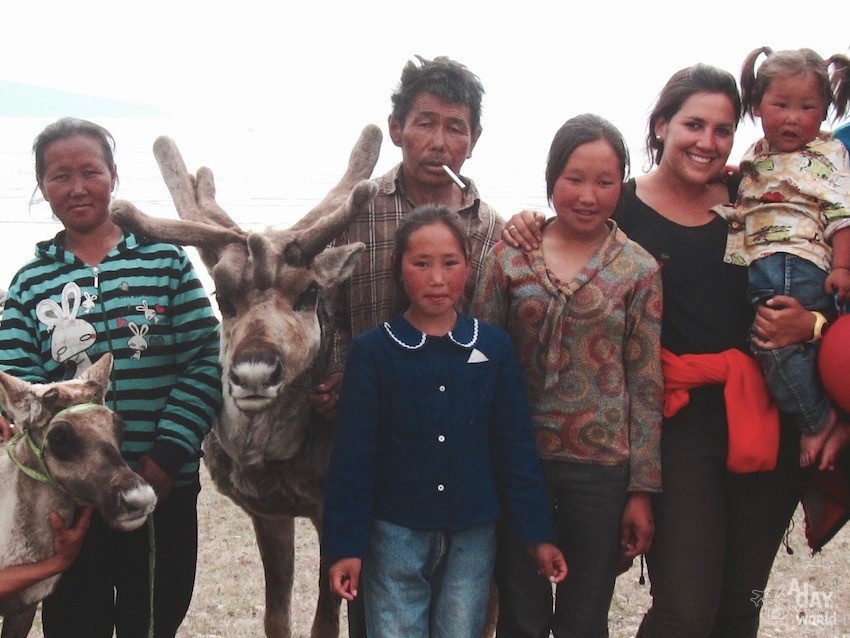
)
(202, 221)
(306, 238)
(312, 241)
(223, 246)
(174, 231)
(361, 163)
(194, 198)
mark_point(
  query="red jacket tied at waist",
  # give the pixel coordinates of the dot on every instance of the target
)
(752, 417)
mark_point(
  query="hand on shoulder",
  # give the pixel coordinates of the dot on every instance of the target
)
(523, 230)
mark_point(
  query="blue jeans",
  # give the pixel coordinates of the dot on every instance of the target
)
(427, 584)
(588, 502)
(791, 372)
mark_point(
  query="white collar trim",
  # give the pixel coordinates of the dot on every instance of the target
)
(425, 337)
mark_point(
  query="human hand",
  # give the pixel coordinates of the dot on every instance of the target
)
(550, 560)
(326, 396)
(156, 478)
(523, 230)
(729, 174)
(638, 525)
(68, 541)
(782, 321)
(7, 430)
(838, 283)
(344, 577)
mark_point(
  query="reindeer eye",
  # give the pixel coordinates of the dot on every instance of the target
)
(63, 442)
(307, 299)
(227, 308)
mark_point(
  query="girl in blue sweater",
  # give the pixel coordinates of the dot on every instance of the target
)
(433, 432)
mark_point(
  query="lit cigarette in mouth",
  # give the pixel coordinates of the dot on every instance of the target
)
(457, 180)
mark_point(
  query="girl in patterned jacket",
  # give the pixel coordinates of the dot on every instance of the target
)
(584, 311)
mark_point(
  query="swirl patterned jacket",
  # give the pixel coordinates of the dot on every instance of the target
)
(590, 350)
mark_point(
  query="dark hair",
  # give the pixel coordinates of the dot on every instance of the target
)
(576, 131)
(449, 80)
(68, 127)
(419, 217)
(834, 88)
(699, 78)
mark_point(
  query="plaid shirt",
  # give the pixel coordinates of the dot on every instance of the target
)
(371, 296)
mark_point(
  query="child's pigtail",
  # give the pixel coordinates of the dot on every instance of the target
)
(749, 99)
(840, 80)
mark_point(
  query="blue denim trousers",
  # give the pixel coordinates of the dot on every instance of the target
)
(427, 584)
(791, 372)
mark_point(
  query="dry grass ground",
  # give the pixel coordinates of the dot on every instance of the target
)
(228, 599)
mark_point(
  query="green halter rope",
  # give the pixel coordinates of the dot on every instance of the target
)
(43, 476)
(151, 573)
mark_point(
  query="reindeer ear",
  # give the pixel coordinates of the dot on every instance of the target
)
(99, 373)
(15, 396)
(335, 265)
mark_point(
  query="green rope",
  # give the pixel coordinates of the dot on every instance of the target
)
(44, 476)
(151, 571)
(41, 477)
(73, 409)
(47, 479)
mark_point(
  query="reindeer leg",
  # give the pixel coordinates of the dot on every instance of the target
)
(18, 625)
(326, 620)
(276, 540)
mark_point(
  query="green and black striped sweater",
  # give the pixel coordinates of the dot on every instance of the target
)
(145, 304)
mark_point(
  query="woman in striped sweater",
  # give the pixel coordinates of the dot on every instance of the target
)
(92, 289)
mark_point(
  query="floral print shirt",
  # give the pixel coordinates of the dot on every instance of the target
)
(590, 351)
(789, 202)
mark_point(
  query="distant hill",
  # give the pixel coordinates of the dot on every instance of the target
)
(30, 100)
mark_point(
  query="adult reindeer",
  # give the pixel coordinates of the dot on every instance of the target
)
(268, 452)
(67, 453)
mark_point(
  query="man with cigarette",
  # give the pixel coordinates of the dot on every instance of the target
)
(436, 121)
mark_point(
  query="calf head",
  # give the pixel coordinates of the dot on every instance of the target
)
(74, 440)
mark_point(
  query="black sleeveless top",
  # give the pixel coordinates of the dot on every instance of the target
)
(706, 308)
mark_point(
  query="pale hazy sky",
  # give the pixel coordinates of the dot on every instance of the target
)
(226, 70)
